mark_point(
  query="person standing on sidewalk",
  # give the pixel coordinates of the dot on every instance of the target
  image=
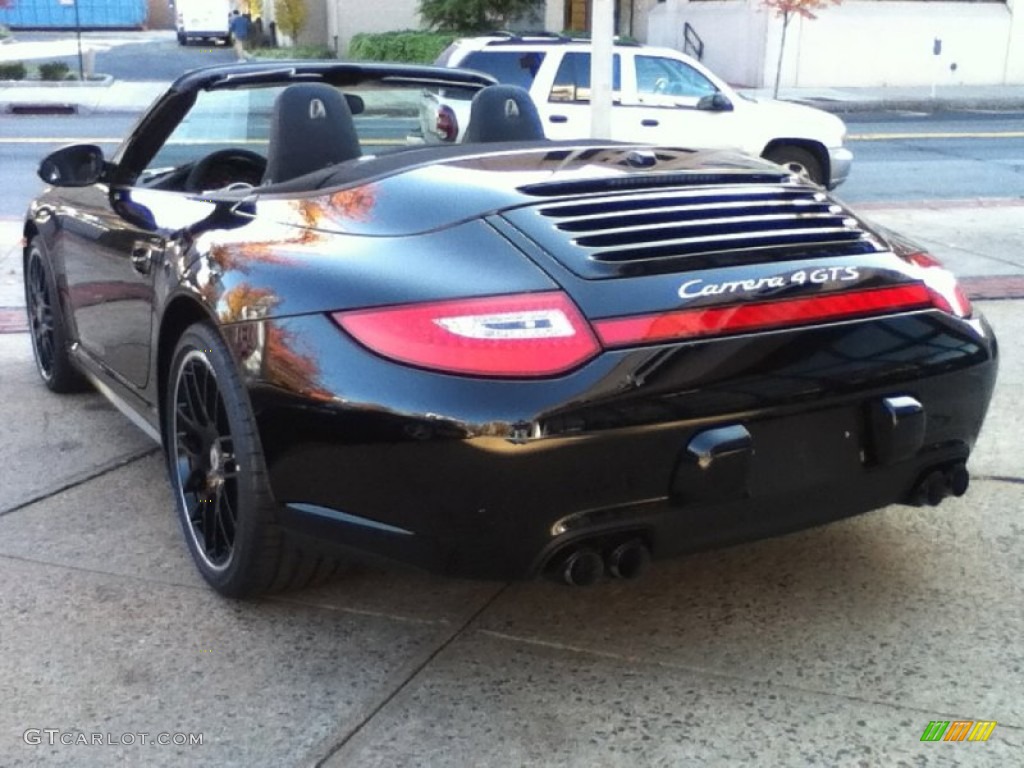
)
(239, 29)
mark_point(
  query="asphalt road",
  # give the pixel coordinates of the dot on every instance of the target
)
(898, 156)
(147, 55)
(948, 155)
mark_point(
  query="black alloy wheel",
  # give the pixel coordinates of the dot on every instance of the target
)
(204, 461)
(46, 326)
(219, 479)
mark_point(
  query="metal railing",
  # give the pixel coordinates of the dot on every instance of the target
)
(692, 44)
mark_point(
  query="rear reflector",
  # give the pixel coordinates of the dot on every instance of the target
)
(714, 321)
(520, 336)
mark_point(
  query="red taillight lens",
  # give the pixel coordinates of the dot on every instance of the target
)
(521, 336)
(946, 293)
(758, 316)
(446, 126)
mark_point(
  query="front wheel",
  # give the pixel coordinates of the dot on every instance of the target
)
(50, 340)
(798, 161)
(217, 473)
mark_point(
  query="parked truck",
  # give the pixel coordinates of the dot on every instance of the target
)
(202, 20)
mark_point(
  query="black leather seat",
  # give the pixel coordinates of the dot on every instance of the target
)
(311, 128)
(503, 113)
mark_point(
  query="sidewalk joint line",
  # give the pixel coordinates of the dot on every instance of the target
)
(81, 479)
(375, 710)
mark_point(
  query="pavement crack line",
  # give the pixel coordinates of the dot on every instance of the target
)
(732, 678)
(133, 577)
(418, 668)
(1000, 479)
(81, 478)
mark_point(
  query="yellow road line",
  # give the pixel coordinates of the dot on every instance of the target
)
(936, 135)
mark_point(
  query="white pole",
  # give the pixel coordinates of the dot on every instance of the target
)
(602, 33)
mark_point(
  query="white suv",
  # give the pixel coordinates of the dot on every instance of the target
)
(660, 96)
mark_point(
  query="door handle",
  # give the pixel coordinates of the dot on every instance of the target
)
(558, 119)
(143, 256)
(649, 123)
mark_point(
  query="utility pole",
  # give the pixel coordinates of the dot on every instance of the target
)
(602, 38)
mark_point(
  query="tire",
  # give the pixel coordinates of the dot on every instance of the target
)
(182, 39)
(219, 479)
(797, 160)
(50, 338)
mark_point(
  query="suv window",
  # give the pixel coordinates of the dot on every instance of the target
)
(572, 81)
(658, 75)
(509, 67)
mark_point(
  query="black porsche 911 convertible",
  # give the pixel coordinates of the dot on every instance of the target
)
(502, 358)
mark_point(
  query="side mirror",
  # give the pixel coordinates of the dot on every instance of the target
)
(79, 165)
(715, 102)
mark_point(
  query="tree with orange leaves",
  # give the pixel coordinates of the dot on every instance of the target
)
(786, 10)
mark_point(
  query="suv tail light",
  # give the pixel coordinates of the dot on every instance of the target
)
(519, 336)
(446, 126)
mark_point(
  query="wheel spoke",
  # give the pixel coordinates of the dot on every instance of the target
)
(194, 482)
(186, 420)
(193, 397)
(211, 399)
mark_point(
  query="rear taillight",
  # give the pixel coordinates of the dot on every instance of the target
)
(520, 336)
(446, 125)
(759, 316)
(945, 291)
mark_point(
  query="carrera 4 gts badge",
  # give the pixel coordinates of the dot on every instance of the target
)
(697, 287)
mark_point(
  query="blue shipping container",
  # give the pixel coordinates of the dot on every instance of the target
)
(60, 14)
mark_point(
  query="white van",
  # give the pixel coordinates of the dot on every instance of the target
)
(202, 19)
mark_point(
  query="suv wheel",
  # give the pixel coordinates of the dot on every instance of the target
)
(797, 160)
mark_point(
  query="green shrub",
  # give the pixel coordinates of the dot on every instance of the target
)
(12, 70)
(409, 45)
(297, 52)
(53, 70)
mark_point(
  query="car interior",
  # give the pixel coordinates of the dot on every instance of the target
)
(244, 141)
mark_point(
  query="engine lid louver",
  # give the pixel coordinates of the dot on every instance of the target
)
(682, 229)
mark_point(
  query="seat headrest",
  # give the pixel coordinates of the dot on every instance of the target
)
(311, 128)
(503, 113)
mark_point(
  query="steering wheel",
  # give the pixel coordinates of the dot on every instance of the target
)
(661, 85)
(196, 176)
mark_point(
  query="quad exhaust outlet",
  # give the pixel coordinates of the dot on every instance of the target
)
(585, 564)
(939, 483)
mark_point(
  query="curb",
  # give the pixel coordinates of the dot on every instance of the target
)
(921, 104)
(97, 81)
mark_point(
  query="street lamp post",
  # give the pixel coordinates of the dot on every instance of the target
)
(78, 35)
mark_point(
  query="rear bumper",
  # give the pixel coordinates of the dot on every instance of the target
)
(485, 479)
